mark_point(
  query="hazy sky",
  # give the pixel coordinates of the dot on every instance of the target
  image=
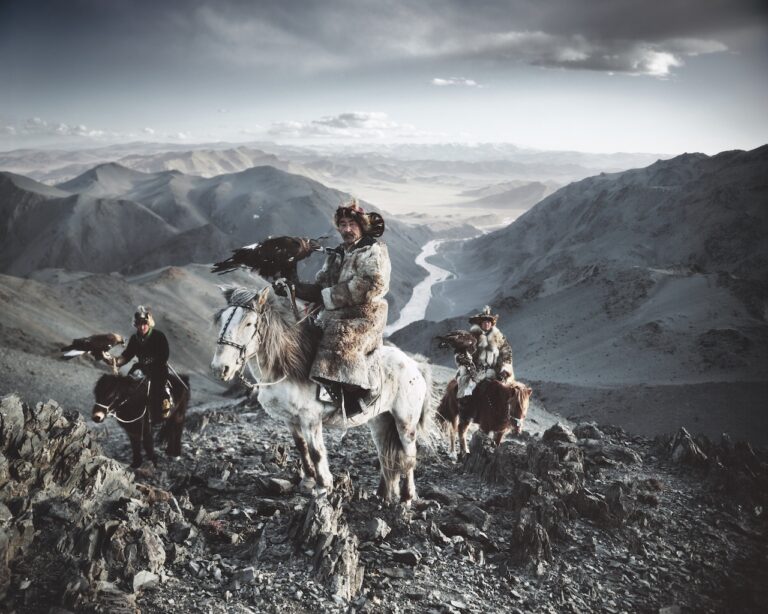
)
(593, 75)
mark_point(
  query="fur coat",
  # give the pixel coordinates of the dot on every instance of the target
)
(354, 314)
(492, 356)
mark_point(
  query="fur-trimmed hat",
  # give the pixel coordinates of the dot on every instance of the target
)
(143, 314)
(371, 224)
(485, 314)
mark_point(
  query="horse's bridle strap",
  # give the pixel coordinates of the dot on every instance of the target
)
(243, 347)
(238, 346)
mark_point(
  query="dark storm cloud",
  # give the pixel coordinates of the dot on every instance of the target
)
(608, 35)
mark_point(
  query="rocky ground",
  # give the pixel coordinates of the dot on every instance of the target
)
(572, 520)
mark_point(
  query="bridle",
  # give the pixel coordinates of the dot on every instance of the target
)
(110, 411)
(242, 359)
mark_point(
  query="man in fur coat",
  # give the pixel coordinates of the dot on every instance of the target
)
(350, 288)
(492, 358)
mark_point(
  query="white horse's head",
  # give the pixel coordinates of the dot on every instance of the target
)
(240, 332)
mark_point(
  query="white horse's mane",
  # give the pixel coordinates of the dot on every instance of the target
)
(287, 347)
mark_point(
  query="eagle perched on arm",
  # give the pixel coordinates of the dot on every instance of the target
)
(97, 346)
(464, 344)
(459, 340)
(273, 258)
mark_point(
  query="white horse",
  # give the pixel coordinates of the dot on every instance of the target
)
(258, 325)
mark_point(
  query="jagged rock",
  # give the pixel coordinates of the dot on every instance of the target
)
(408, 557)
(603, 453)
(438, 536)
(145, 580)
(11, 421)
(336, 557)
(377, 529)
(437, 493)
(397, 572)
(619, 503)
(530, 541)
(480, 518)
(246, 575)
(494, 464)
(559, 432)
(89, 506)
(683, 449)
(699, 547)
(587, 430)
(591, 505)
(179, 531)
(102, 597)
(276, 487)
(560, 465)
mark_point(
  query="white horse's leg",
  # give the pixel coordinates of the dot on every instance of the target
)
(319, 455)
(406, 411)
(307, 468)
(407, 457)
(387, 441)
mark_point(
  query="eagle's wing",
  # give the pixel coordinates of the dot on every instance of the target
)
(273, 258)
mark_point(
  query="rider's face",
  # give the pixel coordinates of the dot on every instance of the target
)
(486, 325)
(142, 328)
(349, 230)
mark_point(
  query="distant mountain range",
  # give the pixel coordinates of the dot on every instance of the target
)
(112, 218)
(343, 167)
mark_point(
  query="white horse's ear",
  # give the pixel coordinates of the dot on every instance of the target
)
(263, 296)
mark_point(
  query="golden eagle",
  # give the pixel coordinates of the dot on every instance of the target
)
(458, 340)
(97, 346)
(273, 258)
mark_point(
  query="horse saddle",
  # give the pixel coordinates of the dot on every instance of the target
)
(352, 399)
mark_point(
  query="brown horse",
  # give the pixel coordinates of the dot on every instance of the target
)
(494, 406)
(127, 400)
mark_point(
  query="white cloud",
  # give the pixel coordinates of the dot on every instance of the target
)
(451, 81)
(149, 131)
(654, 59)
(351, 125)
(36, 126)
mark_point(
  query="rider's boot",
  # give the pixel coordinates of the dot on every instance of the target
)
(167, 403)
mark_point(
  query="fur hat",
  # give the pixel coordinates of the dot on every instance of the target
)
(143, 314)
(485, 314)
(372, 224)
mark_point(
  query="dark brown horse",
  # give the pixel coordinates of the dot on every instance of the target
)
(127, 400)
(494, 406)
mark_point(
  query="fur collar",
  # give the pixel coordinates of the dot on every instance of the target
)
(493, 337)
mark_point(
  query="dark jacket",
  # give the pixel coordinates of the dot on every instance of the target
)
(151, 351)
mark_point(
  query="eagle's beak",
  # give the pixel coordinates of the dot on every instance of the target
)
(315, 244)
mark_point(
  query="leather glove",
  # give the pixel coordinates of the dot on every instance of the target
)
(280, 286)
(463, 360)
(311, 293)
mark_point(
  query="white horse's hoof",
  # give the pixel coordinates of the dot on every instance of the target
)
(307, 485)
